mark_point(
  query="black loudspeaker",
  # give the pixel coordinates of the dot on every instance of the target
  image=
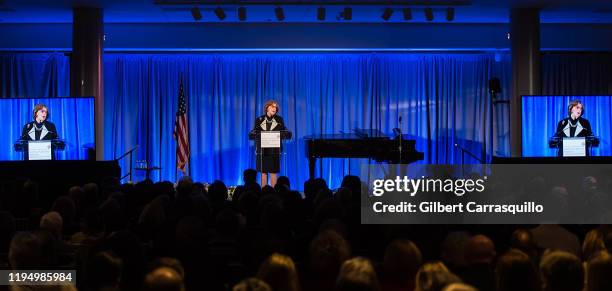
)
(91, 154)
(494, 86)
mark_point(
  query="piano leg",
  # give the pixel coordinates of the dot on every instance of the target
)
(312, 162)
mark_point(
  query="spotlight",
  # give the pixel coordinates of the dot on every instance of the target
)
(387, 14)
(321, 13)
(407, 14)
(450, 14)
(429, 14)
(347, 13)
(242, 13)
(280, 14)
(196, 14)
(220, 13)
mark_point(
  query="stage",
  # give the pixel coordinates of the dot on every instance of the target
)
(553, 160)
(54, 177)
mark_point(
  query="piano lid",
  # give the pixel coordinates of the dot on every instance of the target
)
(356, 134)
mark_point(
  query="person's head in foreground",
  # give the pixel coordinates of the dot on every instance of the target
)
(163, 279)
(515, 271)
(479, 249)
(252, 284)
(459, 287)
(434, 277)
(279, 272)
(32, 250)
(104, 271)
(599, 272)
(561, 271)
(357, 274)
(401, 263)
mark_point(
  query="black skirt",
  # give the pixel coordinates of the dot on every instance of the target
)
(268, 163)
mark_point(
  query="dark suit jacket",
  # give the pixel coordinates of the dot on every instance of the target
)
(51, 134)
(586, 125)
(280, 123)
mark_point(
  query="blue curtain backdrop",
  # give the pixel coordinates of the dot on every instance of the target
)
(442, 98)
(577, 74)
(542, 113)
(34, 75)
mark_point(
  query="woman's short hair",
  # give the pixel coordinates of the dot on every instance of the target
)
(516, 271)
(270, 103)
(598, 272)
(39, 107)
(252, 284)
(561, 271)
(434, 276)
(573, 104)
(357, 274)
(279, 272)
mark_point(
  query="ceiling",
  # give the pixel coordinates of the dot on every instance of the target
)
(364, 11)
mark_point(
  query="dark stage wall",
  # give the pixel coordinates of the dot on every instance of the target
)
(393, 36)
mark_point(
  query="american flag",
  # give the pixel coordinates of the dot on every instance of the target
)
(181, 132)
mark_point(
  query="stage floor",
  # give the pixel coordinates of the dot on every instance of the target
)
(55, 177)
(552, 160)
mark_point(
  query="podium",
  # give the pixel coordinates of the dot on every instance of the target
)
(269, 143)
(39, 149)
(574, 146)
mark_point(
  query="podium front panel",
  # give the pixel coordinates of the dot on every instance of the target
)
(270, 139)
(39, 150)
(574, 147)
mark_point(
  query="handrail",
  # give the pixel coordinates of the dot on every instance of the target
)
(465, 151)
(129, 173)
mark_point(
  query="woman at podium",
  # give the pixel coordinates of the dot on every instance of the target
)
(574, 125)
(40, 128)
(268, 159)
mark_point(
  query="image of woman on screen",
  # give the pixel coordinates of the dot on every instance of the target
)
(574, 125)
(268, 159)
(40, 128)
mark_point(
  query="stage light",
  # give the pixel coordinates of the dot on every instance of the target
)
(387, 14)
(280, 14)
(407, 14)
(242, 13)
(450, 14)
(347, 13)
(196, 14)
(321, 13)
(220, 13)
(429, 14)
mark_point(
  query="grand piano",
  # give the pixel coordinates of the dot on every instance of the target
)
(360, 144)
